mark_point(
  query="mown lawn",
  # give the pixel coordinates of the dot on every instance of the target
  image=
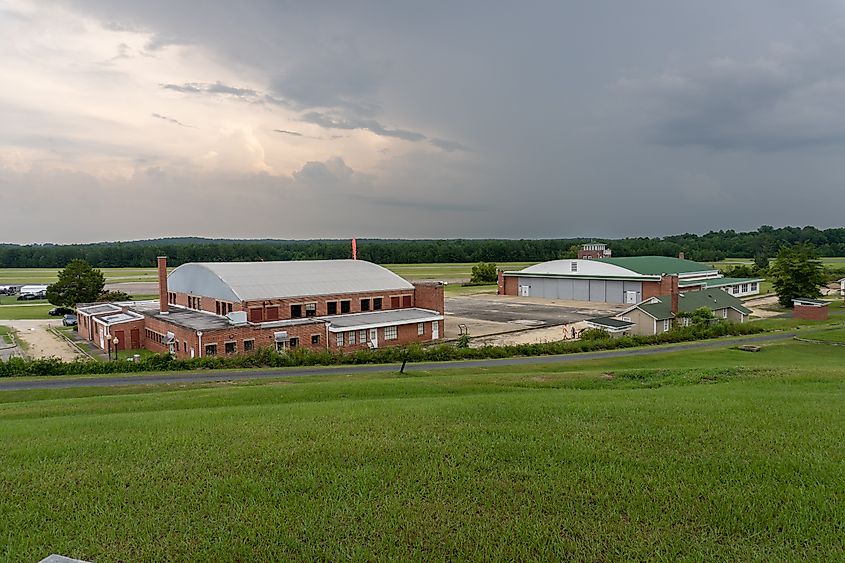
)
(716, 455)
(836, 335)
(22, 312)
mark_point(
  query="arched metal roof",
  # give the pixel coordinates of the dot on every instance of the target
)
(248, 281)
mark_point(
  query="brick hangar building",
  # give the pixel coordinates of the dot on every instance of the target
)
(208, 309)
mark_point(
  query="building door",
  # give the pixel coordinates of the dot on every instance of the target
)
(630, 297)
(435, 330)
(374, 337)
(135, 338)
(121, 340)
(524, 290)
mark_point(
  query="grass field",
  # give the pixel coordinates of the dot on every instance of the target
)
(836, 335)
(5, 333)
(718, 455)
(114, 275)
(833, 262)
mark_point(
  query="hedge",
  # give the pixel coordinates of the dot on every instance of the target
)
(267, 358)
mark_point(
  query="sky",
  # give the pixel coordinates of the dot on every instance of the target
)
(124, 120)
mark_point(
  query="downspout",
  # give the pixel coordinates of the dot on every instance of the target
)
(327, 337)
(199, 347)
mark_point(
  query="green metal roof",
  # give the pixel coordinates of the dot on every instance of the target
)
(689, 301)
(660, 310)
(656, 265)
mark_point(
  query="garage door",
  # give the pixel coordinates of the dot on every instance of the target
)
(598, 290)
(615, 292)
(581, 290)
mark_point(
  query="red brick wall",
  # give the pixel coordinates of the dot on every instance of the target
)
(430, 295)
(589, 254)
(406, 334)
(810, 313)
(507, 285)
(668, 286)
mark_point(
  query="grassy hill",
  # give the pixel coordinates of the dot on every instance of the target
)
(717, 455)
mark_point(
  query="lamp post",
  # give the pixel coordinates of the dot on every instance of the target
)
(116, 342)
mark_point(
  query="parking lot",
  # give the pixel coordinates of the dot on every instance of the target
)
(491, 314)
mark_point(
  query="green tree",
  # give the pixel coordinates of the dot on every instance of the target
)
(114, 296)
(484, 272)
(78, 283)
(796, 272)
(761, 263)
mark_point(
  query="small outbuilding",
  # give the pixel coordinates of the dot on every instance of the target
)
(810, 309)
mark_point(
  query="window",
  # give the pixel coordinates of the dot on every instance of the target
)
(281, 346)
(295, 311)
(390, 333)
(271, 313)
(365, 304)
(351, 338)
(376, 303)
(685, 322)
(256, 315)
(394, 302)
(573, 267)
(230, 347)
(211, 349)
(249, 345)
(331, 307)
(667, 324)
(315, 339)
(420, 329)
(406, 300)
(362, 336)
(626, 319)
(345, 306)
(744, 287)
(753, 286)
(310, 309)
(724, 313)
(339, 339)
(293, 342)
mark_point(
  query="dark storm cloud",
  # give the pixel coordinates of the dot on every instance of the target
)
(787, 100)
(170, 120)
(291, 133)
(334, 121)
(218, 88)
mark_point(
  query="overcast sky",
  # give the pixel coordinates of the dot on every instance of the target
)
(140, 119)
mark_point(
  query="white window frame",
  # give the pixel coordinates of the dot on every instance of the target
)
(420, 329)
(667, 324)
(724, 313)
(351, 338)
(391, 333)
(573, 267)
(339, 339)
(362, 336)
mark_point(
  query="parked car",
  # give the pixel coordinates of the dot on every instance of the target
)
(59, 311)
(70, 320)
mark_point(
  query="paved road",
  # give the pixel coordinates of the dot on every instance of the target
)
(525, 311)
(225, 375)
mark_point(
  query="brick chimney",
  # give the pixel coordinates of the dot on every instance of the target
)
(162, 285)
(674, 292)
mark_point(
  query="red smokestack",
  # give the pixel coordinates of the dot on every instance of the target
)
(163, 295)
(354, 249)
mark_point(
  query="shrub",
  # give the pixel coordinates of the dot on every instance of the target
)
(269, 358)
(594, 334)
(484, 272)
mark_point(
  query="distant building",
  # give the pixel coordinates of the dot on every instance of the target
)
(594, 250)
(212, 309)
(656, 315)
(618, 280)
(810, 309)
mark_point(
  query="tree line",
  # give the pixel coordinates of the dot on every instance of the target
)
(713, 246)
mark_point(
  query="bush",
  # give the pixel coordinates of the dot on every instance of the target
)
(594, 334)
(269, 358)
(484, 272)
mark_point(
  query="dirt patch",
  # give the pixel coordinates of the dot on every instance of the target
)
(531, 336)
(40, 342)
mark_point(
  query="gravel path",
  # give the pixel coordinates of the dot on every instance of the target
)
(41, 343)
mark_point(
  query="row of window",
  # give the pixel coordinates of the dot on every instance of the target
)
(222, 307)
(154, 336)
(390, 333)
(344, 306)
